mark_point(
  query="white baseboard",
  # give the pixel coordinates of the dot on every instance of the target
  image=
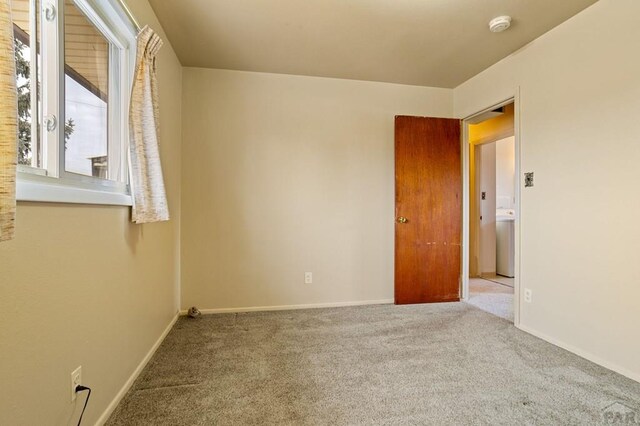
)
(290, 307)
(125, 388)
(581, 353)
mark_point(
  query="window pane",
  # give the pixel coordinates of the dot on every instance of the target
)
(26, 31)
(86, 95)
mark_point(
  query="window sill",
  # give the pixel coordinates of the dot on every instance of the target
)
(40, 190)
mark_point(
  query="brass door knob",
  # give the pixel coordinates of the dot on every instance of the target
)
(402, 219)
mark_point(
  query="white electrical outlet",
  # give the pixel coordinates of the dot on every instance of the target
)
(528, 295)
(76, 380)
(308, 278)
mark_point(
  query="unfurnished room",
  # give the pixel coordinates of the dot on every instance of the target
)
(319, 212)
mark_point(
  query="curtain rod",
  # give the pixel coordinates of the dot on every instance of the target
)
(130, 15)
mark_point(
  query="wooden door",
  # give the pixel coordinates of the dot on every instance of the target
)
(428, 210)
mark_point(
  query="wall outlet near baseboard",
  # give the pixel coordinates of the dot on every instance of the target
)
(528, 295)
(76, 380)
(308, 277)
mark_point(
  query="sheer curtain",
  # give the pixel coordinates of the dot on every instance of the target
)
(147, 184)
(8, 124)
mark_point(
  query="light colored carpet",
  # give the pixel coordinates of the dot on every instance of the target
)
(439, 364)
(494, 298)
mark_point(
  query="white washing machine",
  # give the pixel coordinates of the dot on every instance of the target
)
(505, 242)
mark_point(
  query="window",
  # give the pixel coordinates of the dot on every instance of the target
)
(25, 23)
(74, 63)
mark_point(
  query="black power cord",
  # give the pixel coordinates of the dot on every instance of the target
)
(81, 388)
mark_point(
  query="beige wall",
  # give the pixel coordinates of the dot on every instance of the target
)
(80, 285)
(287, 174)
(580, 103)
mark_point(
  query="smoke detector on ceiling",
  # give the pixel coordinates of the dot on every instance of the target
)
(500, 24)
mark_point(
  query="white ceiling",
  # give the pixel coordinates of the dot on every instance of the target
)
(439, 43)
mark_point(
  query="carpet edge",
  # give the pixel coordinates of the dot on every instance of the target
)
(134, 375)
(582, 353)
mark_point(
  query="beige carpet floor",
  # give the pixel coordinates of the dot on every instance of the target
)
(497, 299)
(441, 364)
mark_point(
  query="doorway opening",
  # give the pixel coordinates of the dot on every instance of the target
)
(490, 151)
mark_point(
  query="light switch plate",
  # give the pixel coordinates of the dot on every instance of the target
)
(528, 179)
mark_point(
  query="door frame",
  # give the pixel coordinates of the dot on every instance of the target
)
(466, 147)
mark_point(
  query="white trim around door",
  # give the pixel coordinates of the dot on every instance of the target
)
(517, 297)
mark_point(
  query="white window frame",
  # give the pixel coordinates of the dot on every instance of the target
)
(52, 183)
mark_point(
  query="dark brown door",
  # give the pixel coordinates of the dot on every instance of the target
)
(428, 210)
